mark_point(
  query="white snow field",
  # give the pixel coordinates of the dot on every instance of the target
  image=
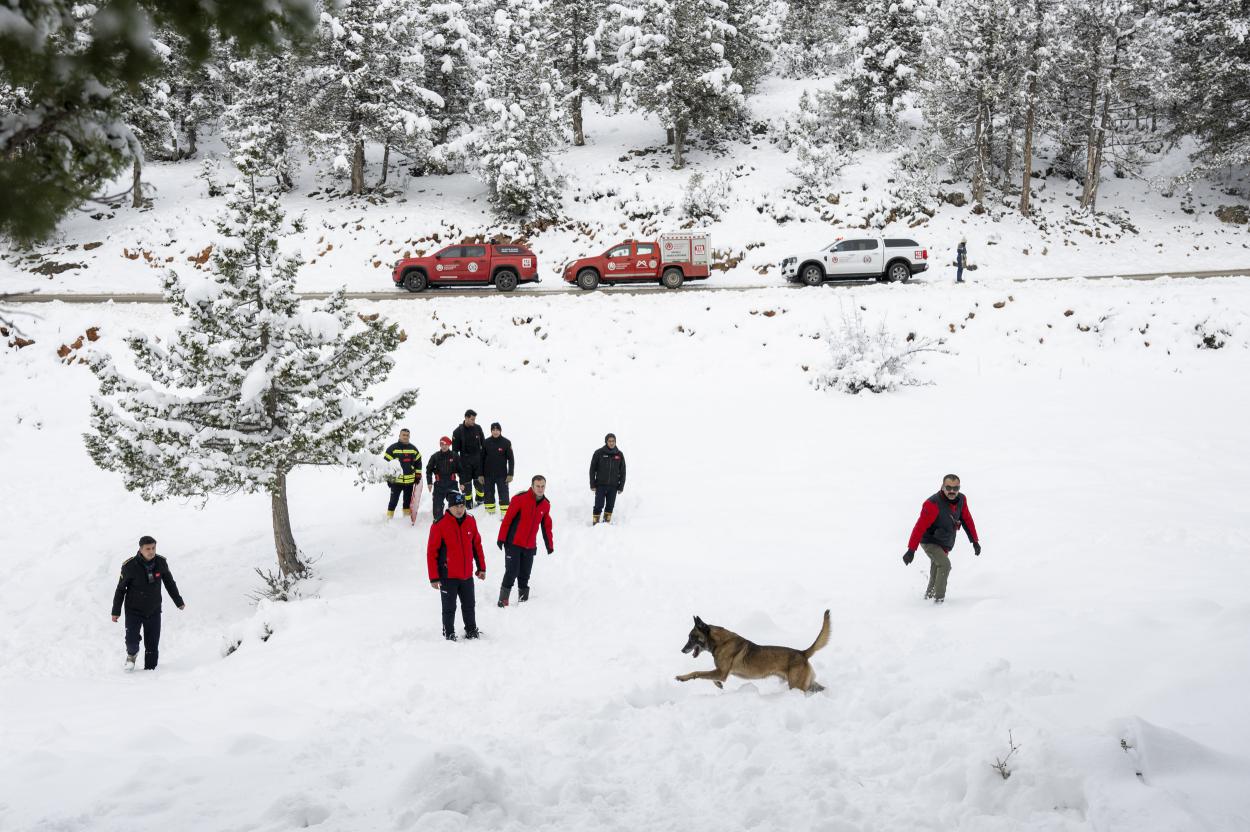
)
(1105, 628)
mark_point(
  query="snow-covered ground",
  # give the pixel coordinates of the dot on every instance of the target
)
(621, 185)
(1106, 626)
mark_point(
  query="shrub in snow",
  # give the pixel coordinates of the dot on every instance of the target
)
(251, 385)
(707, 197)
(873, 360)
(1000, 763)
(817, 152)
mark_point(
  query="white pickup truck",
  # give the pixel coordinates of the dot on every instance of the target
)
(891, 259)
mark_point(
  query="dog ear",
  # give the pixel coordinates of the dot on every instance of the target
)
(698, 622)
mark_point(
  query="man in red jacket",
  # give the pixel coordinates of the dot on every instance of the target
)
(940, 519)
(518, 537)
(454, 547)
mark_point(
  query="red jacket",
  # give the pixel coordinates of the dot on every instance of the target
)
(526, 515)
(454, 546)
(929, 513)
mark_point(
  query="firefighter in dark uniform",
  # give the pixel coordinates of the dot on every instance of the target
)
(441, 474)
(941, 517)
(607, 477)
(469, 442)
(497, 467)
(410, 463)
(139, 589)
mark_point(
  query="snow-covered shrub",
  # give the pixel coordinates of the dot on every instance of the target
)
(914, 189)
(874, 360)
(707, 197)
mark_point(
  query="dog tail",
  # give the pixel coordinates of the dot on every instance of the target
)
(821, 640)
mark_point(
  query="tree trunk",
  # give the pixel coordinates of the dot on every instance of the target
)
(136, 188)
(1093, 166)
(386, 163)
(978, 173)
(1091, 137)
(679, 145)
(1027, 153)
(283, 539)
(668, 135)
(579, 138)
(358, 168)
(192, 138)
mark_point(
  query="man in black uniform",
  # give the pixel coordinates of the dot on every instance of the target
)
(497, 468)
(140, 588)
(440, 475)
(607, 477)
(469, 442)
(410, 463)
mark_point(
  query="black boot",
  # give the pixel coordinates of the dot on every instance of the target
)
(472, 633)
(523, 594)
(504, 592)
(449, 636)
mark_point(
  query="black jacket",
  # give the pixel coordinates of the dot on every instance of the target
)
(141, 594)
(499, 461)
(607, 468)
(409, 460)
(469, 442)
(444, 465)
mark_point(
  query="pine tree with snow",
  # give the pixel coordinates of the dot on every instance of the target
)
(516, 112)
(579, 35)
(757, 26)
(262, 120)
(818, 155)
(152, 127)
(888, 49)
(362, 82)
(454, 58)
(251, 384)
(811, 32)
(671, 60)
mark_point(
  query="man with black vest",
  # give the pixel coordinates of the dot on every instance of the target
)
(139, 587)
(941, 517)
(409, 459)
(497, 467)
(607, 478)
(468, 441)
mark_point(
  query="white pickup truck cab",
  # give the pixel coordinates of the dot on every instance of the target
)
(891, 259)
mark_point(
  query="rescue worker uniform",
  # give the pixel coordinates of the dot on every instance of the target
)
(410, 461)
(454, 548)
(497, 468)
(607, 478)
(469, 442)
(139, 591)
(518, 537)
(440, 475)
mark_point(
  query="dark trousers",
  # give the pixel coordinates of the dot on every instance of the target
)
(605, 498)
(397, 489)
(441, 489)
(517, 563)
(451, 589)
(470, 470)
(959, 271)
(151, 626)
(496, 485)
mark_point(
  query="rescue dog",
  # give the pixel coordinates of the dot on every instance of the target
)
(735, 655)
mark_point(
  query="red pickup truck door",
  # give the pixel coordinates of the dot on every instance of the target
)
(646, 259)
(474, 264)
(618, 262)
(447, 264)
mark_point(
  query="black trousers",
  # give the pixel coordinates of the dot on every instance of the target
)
(398, 489)
(442, 488)
(461, 588)
(151, 626)
(470, 470)
(517, 563)
(497, 485)
(605, 497)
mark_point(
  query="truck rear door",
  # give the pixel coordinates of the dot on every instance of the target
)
(646, 259)
(474, 264)
(871, 257)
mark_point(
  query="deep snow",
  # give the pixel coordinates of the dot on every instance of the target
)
(1105, 626)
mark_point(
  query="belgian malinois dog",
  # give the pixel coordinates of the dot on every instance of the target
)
(739, 657)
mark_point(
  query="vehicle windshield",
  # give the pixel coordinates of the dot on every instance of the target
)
(831, 245)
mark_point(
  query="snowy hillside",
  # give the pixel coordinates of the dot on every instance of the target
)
(1105, 628)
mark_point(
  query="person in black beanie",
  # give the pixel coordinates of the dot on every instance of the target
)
(607, 478)
(469, 443)
(497, 467)
(139, 588)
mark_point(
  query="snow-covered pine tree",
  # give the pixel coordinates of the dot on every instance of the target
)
(362, 83)
(671, 61)
(1212, 89)
(888, 50)
(1039, 32)
(151, 124)
(818, 155)
(516, 112)
(579, 36)
(196, 91)
(262, 120)
(452, 42)
(812, 30)
(750, 51)
(251, 385)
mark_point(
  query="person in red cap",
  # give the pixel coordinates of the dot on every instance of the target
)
(455, 548)
(527, 515)
(440, 475)
(941, 517)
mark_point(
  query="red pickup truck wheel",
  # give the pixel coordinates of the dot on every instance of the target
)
(588, 279)
(415, 281)
(506, 280)
(672, 278)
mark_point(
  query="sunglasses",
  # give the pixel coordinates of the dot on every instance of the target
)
(950, 488)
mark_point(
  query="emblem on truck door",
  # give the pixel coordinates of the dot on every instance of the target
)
(473, 266)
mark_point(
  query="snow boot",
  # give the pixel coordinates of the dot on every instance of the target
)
(390, 515)
(472, 634)
(130, 662)
(503, 597)
(594, 520)
(928, 593)
(449, 636)
(523, 594)
(607, 518)
(939, 600)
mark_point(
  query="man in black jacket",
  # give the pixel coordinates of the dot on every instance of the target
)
(607, 477)
(441, 474)
(497, 467)
(140, 588)
(468, 441)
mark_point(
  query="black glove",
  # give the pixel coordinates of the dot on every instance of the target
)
(499, 543)
(551, 551)
(908, 556)
(976, 549)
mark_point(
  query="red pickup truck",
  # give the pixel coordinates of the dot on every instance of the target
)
(475, 264)
(670, 261)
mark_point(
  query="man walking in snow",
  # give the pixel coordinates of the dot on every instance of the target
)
(468, 441)
(441, 474)
(528, 514)
(139, 589)
(497, 467)
(409, 459)
(940, 519)
(607, 478)
(455, 547)
(961, 260)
